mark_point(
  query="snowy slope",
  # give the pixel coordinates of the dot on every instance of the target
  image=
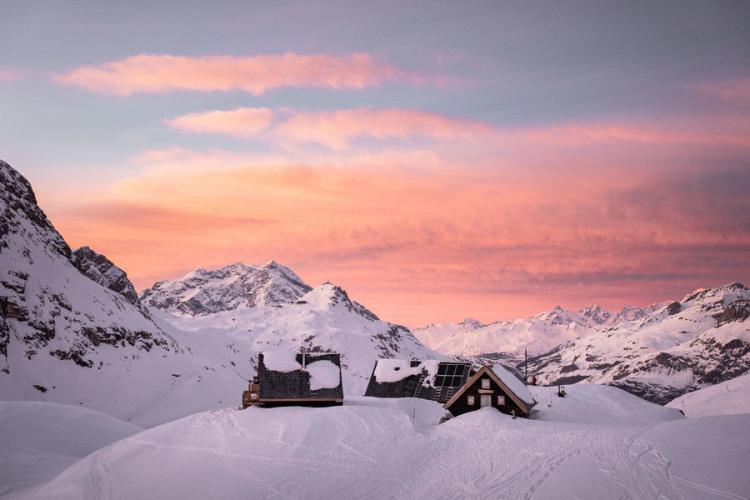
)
(727, 398)
(40, 440)
(231, 287)
(598, 443)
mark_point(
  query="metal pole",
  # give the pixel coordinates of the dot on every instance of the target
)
(526, 367)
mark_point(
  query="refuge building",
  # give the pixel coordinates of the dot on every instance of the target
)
(288, 378)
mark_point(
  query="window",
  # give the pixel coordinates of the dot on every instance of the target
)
(485, 383)
(470, 400)
(501, 401)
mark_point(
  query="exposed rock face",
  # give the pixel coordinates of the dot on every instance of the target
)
(102, 270)
(47, 307)
(682, 346)
(204, 291)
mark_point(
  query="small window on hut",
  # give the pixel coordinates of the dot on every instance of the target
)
(485, 383)
(501, 401)
(470, 400)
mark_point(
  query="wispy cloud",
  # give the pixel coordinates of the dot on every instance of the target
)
(241, 122)
(11, 74)
(732, 90)
(254, 74)
(339, 129)
(377, 223)
(336, 129)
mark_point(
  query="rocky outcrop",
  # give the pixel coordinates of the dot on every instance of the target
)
(99, 268)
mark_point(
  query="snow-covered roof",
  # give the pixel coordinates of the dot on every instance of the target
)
(395, 370)
(291, 374)
(428, 379)
(513, 383)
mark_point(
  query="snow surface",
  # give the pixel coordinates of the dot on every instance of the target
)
(599, 442)
(323, 375)
(728, 398)
(393, 370)
(40, 440)
(513, 383)
(281, 361)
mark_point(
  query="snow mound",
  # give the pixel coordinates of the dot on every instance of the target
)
(40, 440)
(728, 398)
(394, 448)
(281, 361)
(323, 375)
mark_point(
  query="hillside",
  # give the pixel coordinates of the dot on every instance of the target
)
(599, 442)
(40, 440)
(727, 398)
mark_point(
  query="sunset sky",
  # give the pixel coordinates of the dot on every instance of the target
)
(438, 160)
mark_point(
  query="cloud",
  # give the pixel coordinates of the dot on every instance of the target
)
(336, 129)
(735, 90)
(341, 129)
(148, 73)
(10, 74)
(407, 228)
(240, 122)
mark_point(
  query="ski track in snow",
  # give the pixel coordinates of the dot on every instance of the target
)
(374, 449)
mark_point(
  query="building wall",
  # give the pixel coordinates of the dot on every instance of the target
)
(461, 406)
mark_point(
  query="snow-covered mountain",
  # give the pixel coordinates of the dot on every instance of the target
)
(66, 338)
(189, 345)
(700, 340)
(49, 309)
(657, 352)
(238, 285)
(539, 333)
(323, 319)
(102, 270)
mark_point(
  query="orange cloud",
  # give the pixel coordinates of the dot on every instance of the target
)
(241, 122)
(420, 239)
(336, 129)
(254, 74)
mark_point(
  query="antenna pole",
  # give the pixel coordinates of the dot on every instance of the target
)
(526, 367)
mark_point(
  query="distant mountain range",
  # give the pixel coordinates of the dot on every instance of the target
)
(72, 330)
(658, 352)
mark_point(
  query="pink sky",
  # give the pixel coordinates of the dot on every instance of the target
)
(437, 161)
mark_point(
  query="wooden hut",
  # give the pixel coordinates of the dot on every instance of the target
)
(286, 378)
(430, 379)
(494, 386)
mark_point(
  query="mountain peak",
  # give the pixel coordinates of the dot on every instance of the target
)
(230, 287)
(330, 295)
(471, 323)
(596, 314)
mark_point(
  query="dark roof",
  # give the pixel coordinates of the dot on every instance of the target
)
(295, 384)
(430, 379)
